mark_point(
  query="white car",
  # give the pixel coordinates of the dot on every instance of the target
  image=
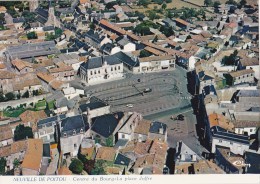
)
(129, 105)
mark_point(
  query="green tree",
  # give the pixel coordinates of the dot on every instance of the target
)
(9, 96)
(76, 166)
(168, 1)
(233, 2)
(2, 165)
(2, 98)
(164, 6)
(16, 163)
(208, 2)
(242, 3)
(92, 25)
(143, 3)
(144, 53)
(216, 4)
(98, 168)
(26, 94)
(110, 141)
(152, 15)
(31, 35)
(21, 132)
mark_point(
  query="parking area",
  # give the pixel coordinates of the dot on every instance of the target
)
(168, 91)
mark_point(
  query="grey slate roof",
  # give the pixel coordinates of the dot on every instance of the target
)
(94, 104)
(249, 93)
(50, 119)
(19, 20)
(254, 160)
(32, 50)
(74, 123)
(105, 125)
(94, 36)
(155, 127)
(122, 160)
(46, 150)
(221, 133)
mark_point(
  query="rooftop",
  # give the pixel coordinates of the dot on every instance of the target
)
(241, 72)
(33, 156)
(106, 153)
(143, 127)
(105, 125)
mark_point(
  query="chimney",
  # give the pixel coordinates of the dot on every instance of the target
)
(160, 130)
(116, 116)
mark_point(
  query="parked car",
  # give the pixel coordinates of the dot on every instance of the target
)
(130, 105)
(147, 90)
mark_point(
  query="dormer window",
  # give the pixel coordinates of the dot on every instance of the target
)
(81, 131)
(74, 132)
(64, 134)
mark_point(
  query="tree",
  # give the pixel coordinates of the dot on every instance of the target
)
(230, 60)
(242, 3)
(164, 6)
(2, 165)
(152, 15)
(144, 53)
(92, 25)
(110, 141)
(10, 96)
(76, 166)
(31, 35)
(98, 168)
(208, 2)
(26, 94)
(16, 163)
(89, 165)
(143, 3)
(2, 98)
(233, 2)
(168, 1)
(21, 132)
(216, 4)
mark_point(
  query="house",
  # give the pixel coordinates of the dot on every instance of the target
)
(106, 153)
(32, 117)
(126, 132)
(18, 150)
(21, 66)
(142, 130)
(156, 63)
(72, 60)
(88, 148)
(72, 131)
(246, 99)
(71, 92)
(125, 45)
(185, 155)
(6, 135)
(122, 161)
(94, 108)
(64, 171)
(228, 161)
(158, 131)
(100, 69)
(105, 127)
(249, 63)
(63, 72)
(252, 162)
(238, 144)
(95, 39)
(32, 161)
(182, 23)
(30, 50)
(151, 157)
(246, 127)
(205, 78)
(240, 77)
(46, 128)
(18, 22)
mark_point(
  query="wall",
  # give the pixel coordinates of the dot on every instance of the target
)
(26, 171)
(235, 147)
(71, 144)
(98, 112)
(249, 130)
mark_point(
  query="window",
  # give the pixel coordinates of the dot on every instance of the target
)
(220, 141)
(75, 146)
(115, 67)
(231, 143)
(98, 71)
(64, 135)
(238, 77)
(251, 130)
(111, 68)
(118, 67)
(91, 73)
(123, 136)
(251, 74)
(95, 72)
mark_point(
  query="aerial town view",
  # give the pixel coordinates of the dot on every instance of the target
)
(129, 87)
